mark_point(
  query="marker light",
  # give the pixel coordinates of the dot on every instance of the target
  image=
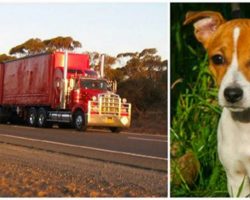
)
(124, 100)
(124, 120)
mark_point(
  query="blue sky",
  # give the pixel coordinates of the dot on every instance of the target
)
(109, 28)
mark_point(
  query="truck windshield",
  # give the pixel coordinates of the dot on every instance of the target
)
(94, 84)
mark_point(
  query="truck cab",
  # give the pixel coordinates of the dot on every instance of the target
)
(91, 100)
(96, 105)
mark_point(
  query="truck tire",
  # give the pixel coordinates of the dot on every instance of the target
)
(115, 129)
(32, 117)
(3, 119)
(79, 121)
(42, 119)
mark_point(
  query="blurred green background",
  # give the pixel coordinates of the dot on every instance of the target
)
(195, 168)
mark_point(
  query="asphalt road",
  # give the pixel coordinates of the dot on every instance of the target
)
(28, 172)
(133, 149)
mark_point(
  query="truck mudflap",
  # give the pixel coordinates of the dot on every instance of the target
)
(109, 111)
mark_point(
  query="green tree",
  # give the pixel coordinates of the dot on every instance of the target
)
(145, 85)
(114, 74)
(36, 45)
(4, 57)
(31, 46)
(61, 43)
(144, 64)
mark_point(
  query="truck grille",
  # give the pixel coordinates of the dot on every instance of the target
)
(110, 104)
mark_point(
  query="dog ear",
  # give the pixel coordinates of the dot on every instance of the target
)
(206, 23)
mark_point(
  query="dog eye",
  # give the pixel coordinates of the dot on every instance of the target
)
(218, 59)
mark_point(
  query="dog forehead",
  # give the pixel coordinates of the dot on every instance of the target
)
(225, 34)
(244, 39)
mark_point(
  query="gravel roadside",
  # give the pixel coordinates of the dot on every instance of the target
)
(28, 172)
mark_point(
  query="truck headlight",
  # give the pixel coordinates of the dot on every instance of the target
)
(124, 100)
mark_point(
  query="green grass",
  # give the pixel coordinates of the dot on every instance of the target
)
(194, 128)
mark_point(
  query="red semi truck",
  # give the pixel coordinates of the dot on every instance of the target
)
(59, 88)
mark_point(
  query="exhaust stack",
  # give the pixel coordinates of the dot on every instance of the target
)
(102, 66)
(65, 81)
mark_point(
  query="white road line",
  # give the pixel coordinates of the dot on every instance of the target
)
(146, 139)
(85, 147)
(129, 133)
(144, 134)
(23, 127)
(98, 130)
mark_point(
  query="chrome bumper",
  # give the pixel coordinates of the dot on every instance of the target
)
(108, 121)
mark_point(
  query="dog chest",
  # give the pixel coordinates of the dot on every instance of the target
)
(233, 140)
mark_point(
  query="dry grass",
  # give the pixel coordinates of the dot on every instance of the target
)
(151, 122)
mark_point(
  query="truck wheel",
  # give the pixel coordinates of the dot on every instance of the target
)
(42, 118)
(3, 119)
(79, 121)
(115, 129)
(32, 117)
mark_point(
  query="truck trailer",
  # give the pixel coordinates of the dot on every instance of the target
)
(61, 88)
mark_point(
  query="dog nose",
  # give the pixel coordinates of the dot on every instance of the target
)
(233, 94)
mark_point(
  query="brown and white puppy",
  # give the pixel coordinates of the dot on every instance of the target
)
(228, 46)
